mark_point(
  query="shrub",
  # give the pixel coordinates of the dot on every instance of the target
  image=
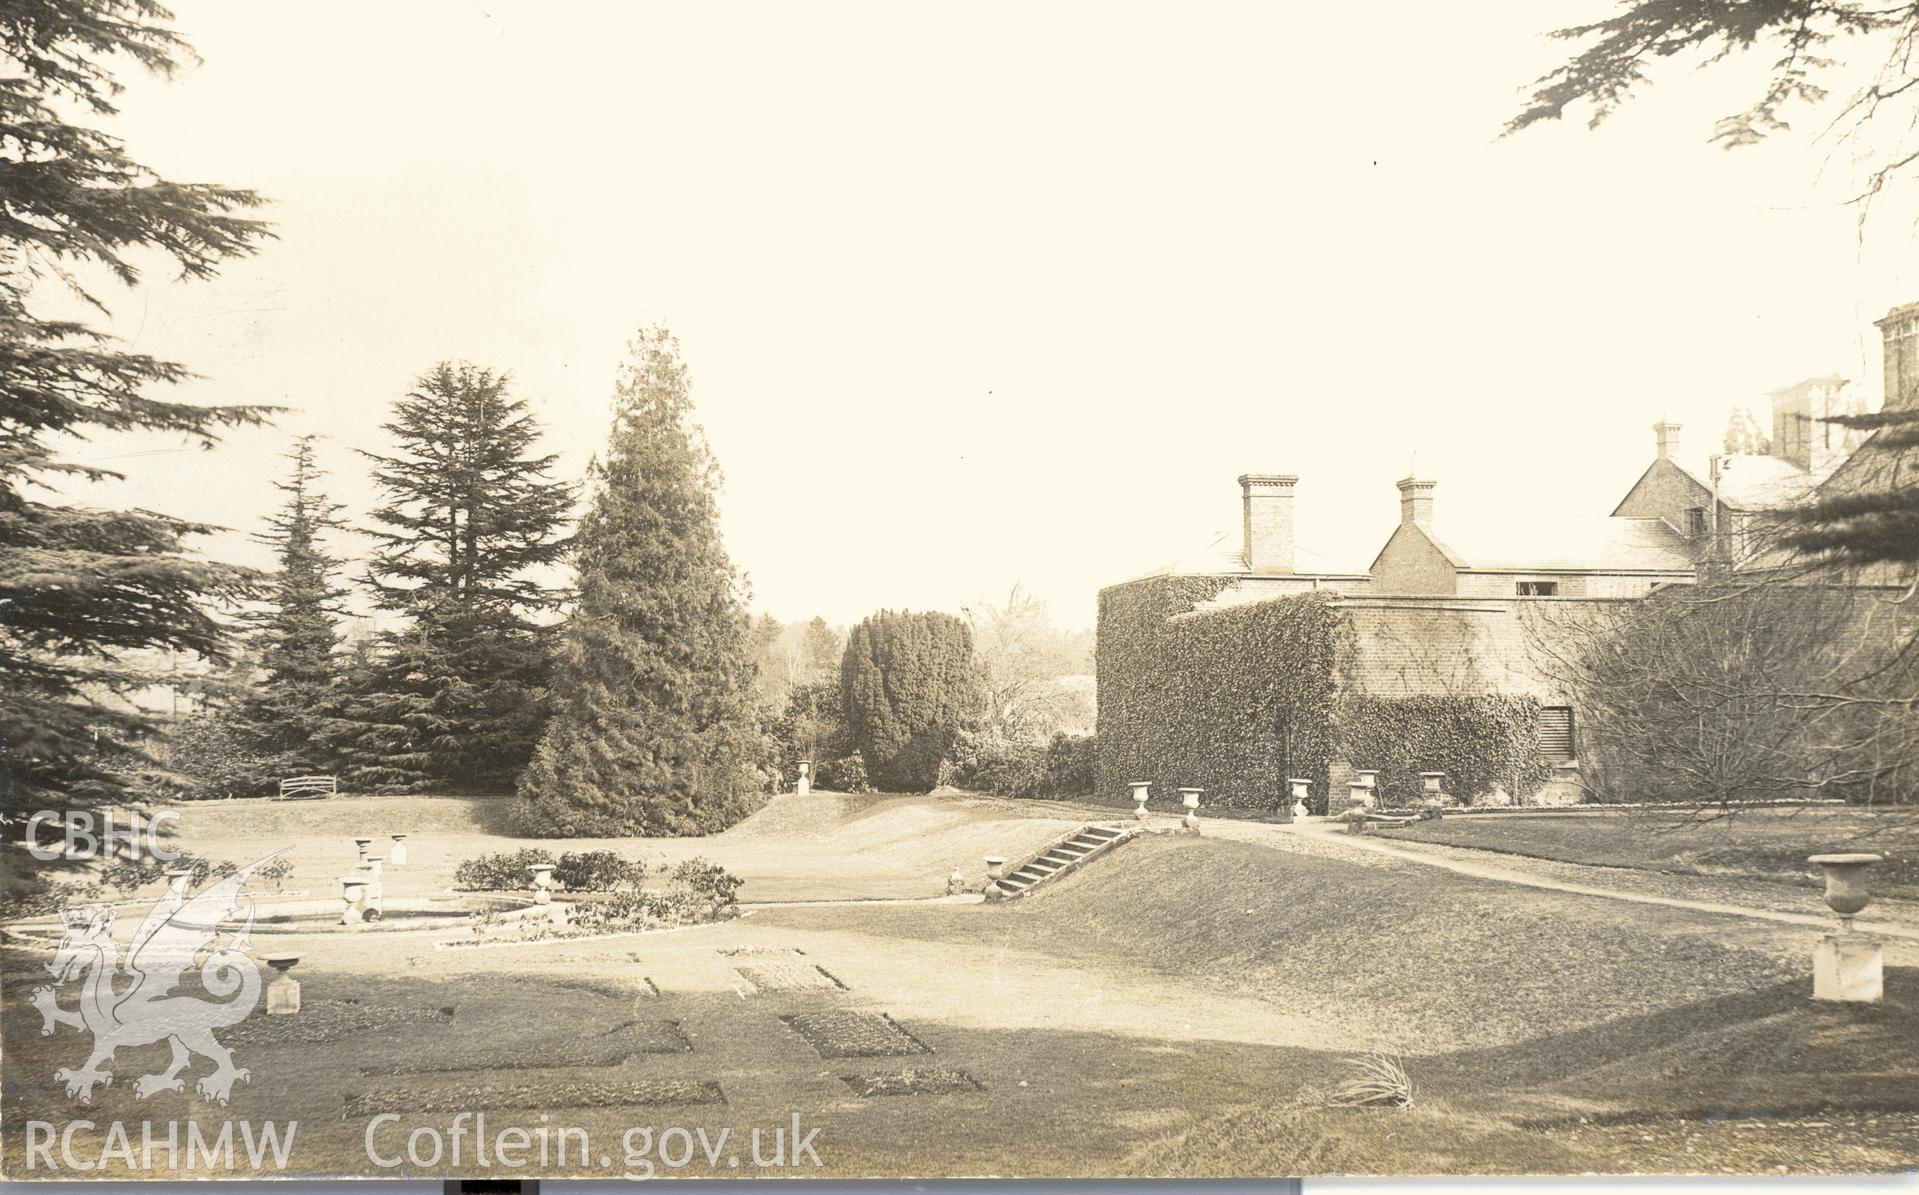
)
(1071, 760)
(214, 756)
(597, 871)
(128, 875)
(700, 889)
(847, 774)
(503, 871)
(907, 684)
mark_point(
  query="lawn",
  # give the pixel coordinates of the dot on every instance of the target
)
(1757, 844)
(1179, 1006)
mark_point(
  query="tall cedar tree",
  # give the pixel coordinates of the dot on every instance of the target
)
(81, 588)
(456, 697)
(654, 727)
(908, 682)
(297, 631)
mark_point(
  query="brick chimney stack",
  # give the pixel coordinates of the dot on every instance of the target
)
(1666, 435)
(1416, 502)
(1899, 331)
(1267, 500)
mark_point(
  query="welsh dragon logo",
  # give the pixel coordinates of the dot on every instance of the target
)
(176, 932)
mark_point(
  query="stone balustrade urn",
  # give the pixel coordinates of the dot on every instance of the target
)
(1359, 796)
(1302, 794)
(1367, 776)
(1848, 966)
(1432, 783)
(803, 782)
(1142, 792)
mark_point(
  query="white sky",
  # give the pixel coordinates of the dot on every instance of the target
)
(993, 292)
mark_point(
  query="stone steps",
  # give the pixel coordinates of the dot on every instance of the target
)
(1059, 858)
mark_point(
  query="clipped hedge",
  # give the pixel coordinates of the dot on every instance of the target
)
(1481, 742)
(1233, 701)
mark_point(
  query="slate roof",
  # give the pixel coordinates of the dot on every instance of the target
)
(1579, 543)
(1749, 482)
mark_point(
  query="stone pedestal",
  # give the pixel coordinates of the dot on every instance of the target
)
(803, 784)
(1849, 968)
(361, 844)
(397, 856)
(282, 991)
(353, 893)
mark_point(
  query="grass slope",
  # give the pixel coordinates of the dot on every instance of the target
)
(1759, 844)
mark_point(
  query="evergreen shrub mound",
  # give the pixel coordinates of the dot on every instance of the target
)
(907, 685)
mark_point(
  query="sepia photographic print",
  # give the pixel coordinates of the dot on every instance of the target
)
(675, 590)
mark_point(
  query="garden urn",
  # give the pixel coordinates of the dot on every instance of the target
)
(1367, 776)
(398, 853)
(353, 892)
(362, 844)
(994, 865)
(1359, 796)
(1846, 890)
(1142, 790)
(283, 991)
(803, 783)
(1431, 782)
(956, 882)
(542, 882)
(1189, 797)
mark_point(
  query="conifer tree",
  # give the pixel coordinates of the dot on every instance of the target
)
(456, 696)
(907, 683)
(654, 725)
(297, 631)
(86, 592)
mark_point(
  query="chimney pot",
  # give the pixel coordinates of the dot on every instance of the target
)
(1666, 436)
(1267, 502)
(1416, 502)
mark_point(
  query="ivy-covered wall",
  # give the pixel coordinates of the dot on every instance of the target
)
(1233, 701)
(1481, 742)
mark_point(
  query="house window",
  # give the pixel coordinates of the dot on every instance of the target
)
(1696, 520)
(1556, 732)
(1536, 588)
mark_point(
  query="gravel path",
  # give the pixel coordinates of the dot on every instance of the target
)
(1755, 899)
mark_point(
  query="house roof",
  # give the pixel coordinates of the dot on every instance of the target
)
(1580, 543)
(1225, 555)
(1749, 482)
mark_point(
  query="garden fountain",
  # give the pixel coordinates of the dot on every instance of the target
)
(1848, 966)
